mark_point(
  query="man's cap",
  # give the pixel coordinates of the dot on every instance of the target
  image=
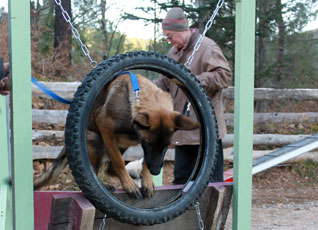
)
(175, 20)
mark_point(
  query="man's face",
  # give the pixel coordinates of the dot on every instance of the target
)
(177, 38)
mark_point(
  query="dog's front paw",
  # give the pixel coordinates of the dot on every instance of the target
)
(132, 188)
(109, 187)
(148, 187)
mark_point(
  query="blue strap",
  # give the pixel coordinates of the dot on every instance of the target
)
(133, 78)
(49, 92)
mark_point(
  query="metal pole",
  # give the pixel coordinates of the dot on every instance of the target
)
(21, 114)
(243, 113)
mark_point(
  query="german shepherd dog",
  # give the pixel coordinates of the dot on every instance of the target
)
(116, 122)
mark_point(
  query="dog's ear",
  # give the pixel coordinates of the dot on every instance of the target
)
(184, 123)
(142, 120)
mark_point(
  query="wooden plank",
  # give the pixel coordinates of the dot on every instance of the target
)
(63, 89)
(228, 155)
(60, 208)
(186, 221)
(47, 135)
(67, 90)
(226, 205)
(278, 118)
(59, 117)
(46, 152)
(42, 207)
(277, 94)
(73, 209)
(82, 214)
(267, 139)
(135, 153)
(49, 116)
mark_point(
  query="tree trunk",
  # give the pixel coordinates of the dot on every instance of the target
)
(63, 36)
(201, 24)
(261, 48)
(103, 23)
(281, 41)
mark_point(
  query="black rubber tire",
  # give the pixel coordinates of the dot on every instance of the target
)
(76, 148)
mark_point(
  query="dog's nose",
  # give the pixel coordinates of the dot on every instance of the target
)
(155, 171)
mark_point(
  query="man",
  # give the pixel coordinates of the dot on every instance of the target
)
(214, 73)
(4, 82)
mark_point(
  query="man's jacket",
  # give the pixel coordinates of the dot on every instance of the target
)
(213, 71)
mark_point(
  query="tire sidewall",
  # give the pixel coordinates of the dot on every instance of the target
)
(75, 136)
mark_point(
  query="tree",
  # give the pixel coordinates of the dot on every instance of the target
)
(63, 35)
(91, 17)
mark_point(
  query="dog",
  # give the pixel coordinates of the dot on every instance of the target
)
(118, 121)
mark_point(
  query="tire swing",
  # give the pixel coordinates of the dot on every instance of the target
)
(75, 138)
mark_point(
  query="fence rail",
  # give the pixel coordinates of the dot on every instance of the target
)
(66, 90)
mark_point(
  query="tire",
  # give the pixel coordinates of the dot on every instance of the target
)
(76, 148)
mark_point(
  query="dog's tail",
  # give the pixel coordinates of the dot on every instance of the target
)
(54, 171)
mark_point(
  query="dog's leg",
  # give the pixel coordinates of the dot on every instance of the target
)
(97, 152)
(147, 184)
(119, 165)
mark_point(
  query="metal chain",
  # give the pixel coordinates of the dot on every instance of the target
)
(198, 43)
(102, 224)
(207, 27)
(197, 208)
(76, 34)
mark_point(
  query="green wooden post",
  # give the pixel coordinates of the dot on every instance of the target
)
(21, 114)
(243, 113)
(5, 207)
(4, 159)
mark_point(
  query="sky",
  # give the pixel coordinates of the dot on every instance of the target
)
(137, 28)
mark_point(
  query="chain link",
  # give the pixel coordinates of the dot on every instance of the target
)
(207, 27)
(102, 224)
(197, 208)
(198, 43)
(76, 34)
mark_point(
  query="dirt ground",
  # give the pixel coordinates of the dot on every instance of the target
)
(282, 197)
(284, 200)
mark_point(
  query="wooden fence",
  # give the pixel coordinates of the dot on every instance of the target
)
(66, 90)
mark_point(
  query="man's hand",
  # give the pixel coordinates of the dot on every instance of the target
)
(4, 83)
(6, 67)
(4, 86)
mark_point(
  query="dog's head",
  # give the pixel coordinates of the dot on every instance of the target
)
(155, 131)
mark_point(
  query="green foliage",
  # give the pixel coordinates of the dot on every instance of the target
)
(299, 66)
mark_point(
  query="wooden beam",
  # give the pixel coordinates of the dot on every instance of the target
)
(59, 117)
(67, 90)
(135, 153)
(214, 206)
(49, 116)
(243, 110)
(278, 118)
(21, 114)
(71, 209)
(63, 89)
(277, 94)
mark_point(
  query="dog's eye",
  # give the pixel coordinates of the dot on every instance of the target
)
(142, 127)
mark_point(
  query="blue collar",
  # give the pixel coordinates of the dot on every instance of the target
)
(134, 83)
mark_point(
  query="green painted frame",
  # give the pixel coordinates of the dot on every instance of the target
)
(21, 115)
(21, 125)
(243, 113)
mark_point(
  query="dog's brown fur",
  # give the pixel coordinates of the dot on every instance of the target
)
(117, 122)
